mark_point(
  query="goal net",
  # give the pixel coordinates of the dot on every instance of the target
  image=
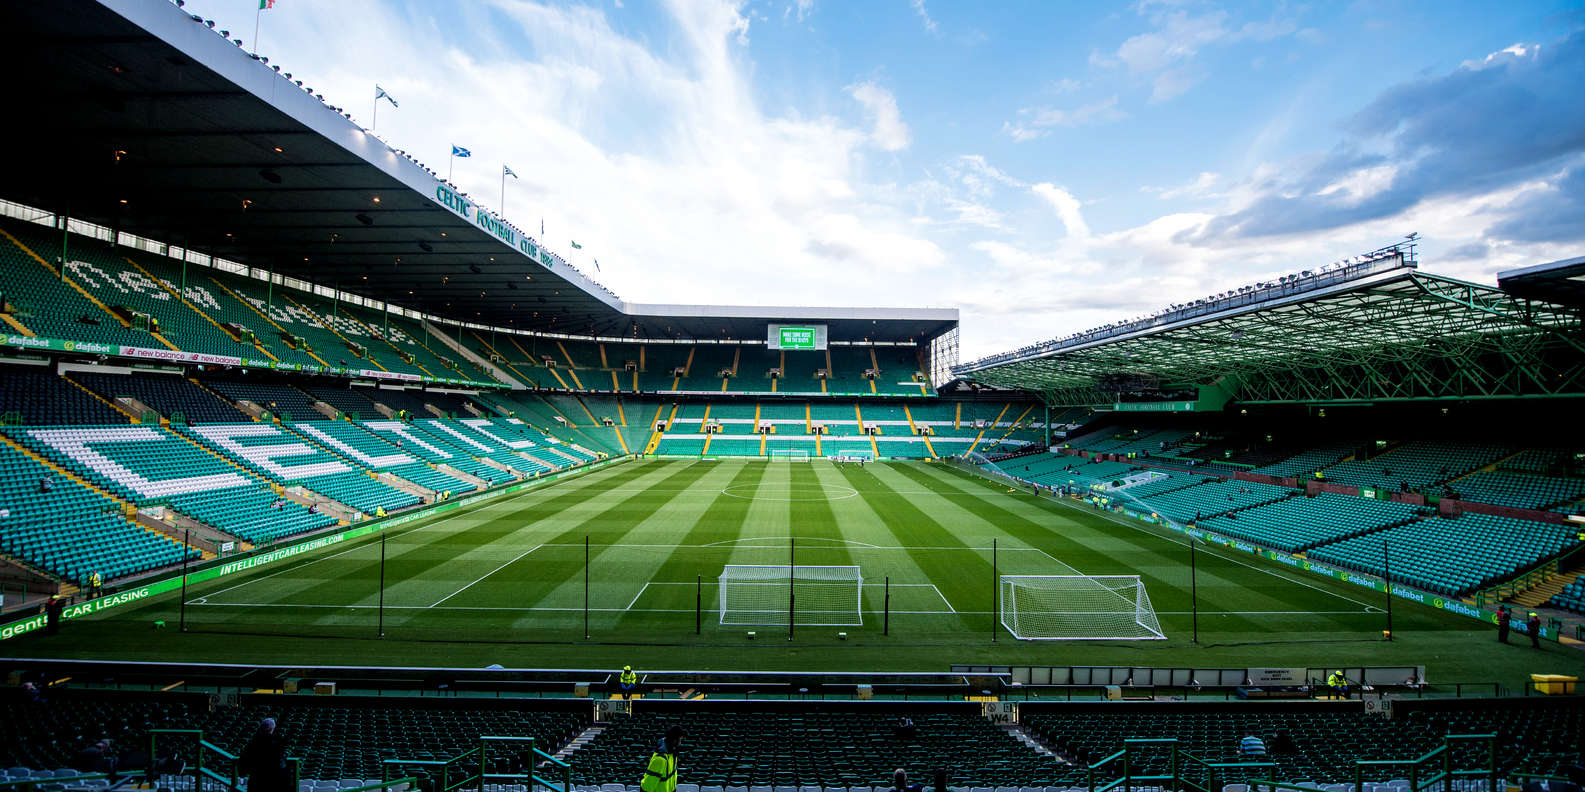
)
(1077, 607)
(789, 455)
(758, 594)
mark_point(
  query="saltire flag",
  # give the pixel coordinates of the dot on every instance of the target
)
(379, 93)
(266, 4)
(507, 171)
(458, 151)
(576, 246)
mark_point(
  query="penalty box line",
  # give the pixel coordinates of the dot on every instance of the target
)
(931, 586)
(549, 609)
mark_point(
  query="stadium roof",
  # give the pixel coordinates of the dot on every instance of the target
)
(1377, 331)
(1563, 281)
(137, 116)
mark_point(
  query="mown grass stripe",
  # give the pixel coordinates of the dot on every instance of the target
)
(954, 573)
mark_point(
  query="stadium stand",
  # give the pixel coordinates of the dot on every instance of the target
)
(354, 402)
(173, 397)
(280, 400)
(1451, 556)
(148, 466)
(289, 459)
(353, 443)
(62, 526)
(842, 747)
(1416, 464)
(50, 305)
(1300, 523)
(344, 742)
(1570, 598)
(37, 397)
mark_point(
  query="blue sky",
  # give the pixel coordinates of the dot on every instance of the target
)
(1042, 166)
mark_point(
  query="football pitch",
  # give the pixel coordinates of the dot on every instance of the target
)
(630, 555)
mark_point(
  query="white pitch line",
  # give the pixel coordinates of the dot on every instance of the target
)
(487, 574)
(636, 596)
(714, 583)
(854, 545)
(546, 609)
(492, 504)
(1242, 563)
(944, 598)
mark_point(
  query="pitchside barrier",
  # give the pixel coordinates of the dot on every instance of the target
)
(234, 564)
(1550, 631)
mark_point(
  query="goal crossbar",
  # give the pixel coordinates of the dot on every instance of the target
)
(1078, 608)
(771, 594)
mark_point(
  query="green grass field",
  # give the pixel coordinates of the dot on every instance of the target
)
(504, 582)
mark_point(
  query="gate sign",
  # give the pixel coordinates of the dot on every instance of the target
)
(1000, 713)
(609, 709)
(1276, 677)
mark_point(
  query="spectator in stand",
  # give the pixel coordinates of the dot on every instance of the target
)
(905, 729)
(1282, 743)
(900, 782)
(264, 760)
(1251, 745)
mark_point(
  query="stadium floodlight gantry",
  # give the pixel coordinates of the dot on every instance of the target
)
(1380, 331)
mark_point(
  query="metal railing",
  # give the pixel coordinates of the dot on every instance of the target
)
(203, 755)
(1126, 758)
(1215, 772)
(471, 768)
(537, 758)
(1429, 771)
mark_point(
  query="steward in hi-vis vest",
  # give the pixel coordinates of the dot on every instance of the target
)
(661, 774)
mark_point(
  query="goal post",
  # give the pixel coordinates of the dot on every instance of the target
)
(1078, 608)
(789, 455)
(816, 596)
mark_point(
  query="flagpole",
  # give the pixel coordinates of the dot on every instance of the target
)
(452, 164)
(502, 204)
(375, 123)
(256, 14)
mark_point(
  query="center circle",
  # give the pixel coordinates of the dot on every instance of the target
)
(791, 492)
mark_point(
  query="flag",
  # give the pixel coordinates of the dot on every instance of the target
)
(541, 226)
(266, 4)
(458, 151)
(596, 265)
(506, 171)
(576, 246)
(379, 93)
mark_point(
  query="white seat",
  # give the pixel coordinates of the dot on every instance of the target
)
(687, 788)
(1235, 788)
(786, 789)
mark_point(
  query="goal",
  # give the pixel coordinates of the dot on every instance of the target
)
(1078, 608)
(789, 455)
(821, 596)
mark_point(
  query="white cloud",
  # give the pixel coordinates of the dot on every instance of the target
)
(890, 133)
(1036, 122)
(1067, 208)
(1165, 54)
(924, 15)
(1199, 188)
